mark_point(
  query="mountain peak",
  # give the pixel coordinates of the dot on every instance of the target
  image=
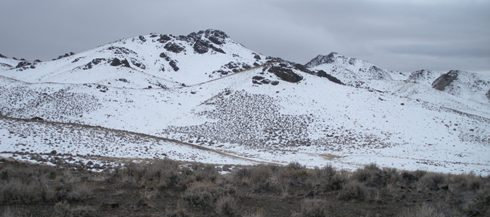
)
(323, 59)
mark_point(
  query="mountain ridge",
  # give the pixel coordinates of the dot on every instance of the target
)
(233, 100)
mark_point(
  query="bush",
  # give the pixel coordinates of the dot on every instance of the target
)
(422, 211)
(431, 181)
(328, 179)
(312, 208)
(202, 195)
(227, 206)
(353, 191)
(371, 176)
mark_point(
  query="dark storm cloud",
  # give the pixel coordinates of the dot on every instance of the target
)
(396, 34)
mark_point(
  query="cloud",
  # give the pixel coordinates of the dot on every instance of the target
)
(400, 35)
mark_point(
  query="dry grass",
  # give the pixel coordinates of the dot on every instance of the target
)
(167, 188)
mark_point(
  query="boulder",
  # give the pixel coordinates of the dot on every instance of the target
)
(201, 47)
(118, 62)
(164, 39)
(257, 77)
(285, 74)
(174, 66)
(445, 80)
(142, 38)
(173, 47)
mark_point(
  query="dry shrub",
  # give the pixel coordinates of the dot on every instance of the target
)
(79, 192)
(64, 209)
(328, 179)
(227, 206)
(431, 181)
(353, 190)
(203, 194)
(312, 208)
(422, 211)
(16, 191)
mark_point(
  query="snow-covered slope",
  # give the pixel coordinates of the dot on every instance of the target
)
(160, 61)
(463, 84)
(352, 71)
(424, 76)
(274, 111)
(7, 63)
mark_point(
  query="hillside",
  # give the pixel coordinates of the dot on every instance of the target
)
(218, 95)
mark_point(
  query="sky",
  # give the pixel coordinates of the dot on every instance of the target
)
(404, 35)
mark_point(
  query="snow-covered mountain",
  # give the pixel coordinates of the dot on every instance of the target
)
(160, 61)
(352, 71)
(226, 100)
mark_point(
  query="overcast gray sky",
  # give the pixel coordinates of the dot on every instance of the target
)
(395, 34)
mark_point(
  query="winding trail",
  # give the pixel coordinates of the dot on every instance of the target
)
(136, 134)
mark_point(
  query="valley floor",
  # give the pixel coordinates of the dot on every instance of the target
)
(175, 189)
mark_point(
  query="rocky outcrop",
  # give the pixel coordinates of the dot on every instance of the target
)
(64, 55)
(174, 66)
(2, 56)
(322, 59)
(173, 47)
(285, 74)
(164, 39)
(331, 78)
(201, 47)
(445, 80)
(118, 62)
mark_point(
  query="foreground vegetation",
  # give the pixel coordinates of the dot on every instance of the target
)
(170, 189)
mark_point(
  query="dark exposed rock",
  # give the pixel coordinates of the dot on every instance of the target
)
(23, 64)
(201, 47)
(142, 38)
(37, 61)
(123, 80)
(275, 83)
(266, 81)
(322, 59)
(115, 62)
(332, 78)
(215, 36)
(445, 80)
(285, 74)
(37, 119)
(217, 49)
(231, 65)
(121, 50)
(125, 63)
(257, 57)
(302, 68)
(257, 77)
(118, 62)
(164, 56)
(93, 62)
(64, 55)
(174, 66)
(76, 60)
(488, 94)
(164, 39)
(2, 56)
(216, 40)
(173, 47)
(138, 64)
